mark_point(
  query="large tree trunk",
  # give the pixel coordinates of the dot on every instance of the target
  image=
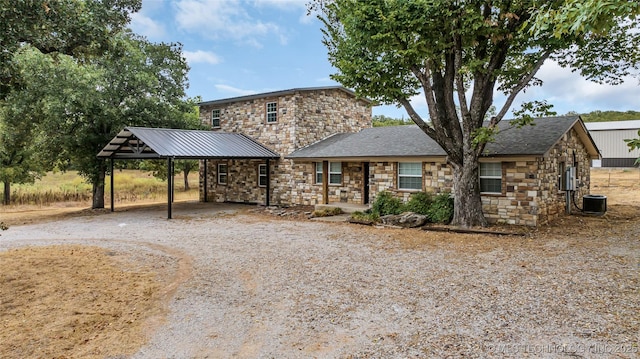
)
(7, 193)
(467, 211)
(185, 173)
(98, 189)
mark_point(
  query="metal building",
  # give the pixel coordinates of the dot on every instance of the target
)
(609, 137)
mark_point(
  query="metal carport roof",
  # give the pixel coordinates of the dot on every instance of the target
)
(155, 143)
(150, 143)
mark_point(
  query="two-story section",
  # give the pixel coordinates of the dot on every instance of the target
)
(282, 121)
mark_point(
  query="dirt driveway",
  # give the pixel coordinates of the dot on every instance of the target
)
(255, 286)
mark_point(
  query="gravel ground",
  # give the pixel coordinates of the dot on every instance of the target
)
(264, 287)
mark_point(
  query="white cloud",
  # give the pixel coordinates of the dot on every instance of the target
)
(568, 91)
(282, 4)
(200, 56)
(144, 25)
(234, 90)
(223, 19)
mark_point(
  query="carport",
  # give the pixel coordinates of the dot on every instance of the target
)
(142, 143)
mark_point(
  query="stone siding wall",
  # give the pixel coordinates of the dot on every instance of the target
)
(552, 203)
(303, 117)
(242, 182)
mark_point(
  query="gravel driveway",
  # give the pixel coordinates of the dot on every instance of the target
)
(265, 287)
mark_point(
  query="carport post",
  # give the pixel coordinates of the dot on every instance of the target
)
(112, 191)
(169, 186)
(205, 180)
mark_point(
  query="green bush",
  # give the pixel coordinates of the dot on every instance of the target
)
(386, 203)
(420, 203)
(368, 216)
(441, 209)
(327, 212)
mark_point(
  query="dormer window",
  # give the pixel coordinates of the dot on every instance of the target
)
(272, 112)
(215, 118)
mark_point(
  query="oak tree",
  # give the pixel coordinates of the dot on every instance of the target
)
(457, 54)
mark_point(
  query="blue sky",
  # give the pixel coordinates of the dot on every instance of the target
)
(237, 47)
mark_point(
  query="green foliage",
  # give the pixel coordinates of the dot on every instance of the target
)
(438, 208)
(441, 209)
(383, 121)
(605, 116)
(419, 203)
(79, 108)
(582, 16)
(370, 216)
(386, 203)
(79, 28)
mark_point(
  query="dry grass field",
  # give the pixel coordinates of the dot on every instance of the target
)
(81, 301)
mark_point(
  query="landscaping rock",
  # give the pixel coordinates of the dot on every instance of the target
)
(406, 220)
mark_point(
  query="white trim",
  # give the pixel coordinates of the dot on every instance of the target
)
(226, 173)
(260, 175)
(335, 173)
(219, 115)
(410, 176)
(481, 177)
(273, 112)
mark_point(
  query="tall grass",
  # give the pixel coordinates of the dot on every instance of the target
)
(130, 186)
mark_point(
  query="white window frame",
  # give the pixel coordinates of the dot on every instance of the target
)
(318, 172)
(402, 175)
(224, 173)
(214, 117)
(262, 175)
(271, 113)
(332, 172)
(493, 177)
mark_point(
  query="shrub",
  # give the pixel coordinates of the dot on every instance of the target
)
(420, 203)
(386, 203)
(368, 216)
(327, 212)
(441, 209)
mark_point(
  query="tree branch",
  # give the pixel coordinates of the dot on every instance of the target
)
(521, 85)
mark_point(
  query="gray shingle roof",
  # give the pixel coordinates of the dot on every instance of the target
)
(410, 141)
(141, 142)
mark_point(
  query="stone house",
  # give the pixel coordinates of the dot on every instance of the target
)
(329, 153)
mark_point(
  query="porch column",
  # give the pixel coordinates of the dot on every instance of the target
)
(205, 180)
(325, 182)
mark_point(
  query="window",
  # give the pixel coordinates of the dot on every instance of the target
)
(222, 173)
(410, 175)
(335, 172)
(215, 118)
(262, 175)
(318, 172)
(491, 177)
(272, 112)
